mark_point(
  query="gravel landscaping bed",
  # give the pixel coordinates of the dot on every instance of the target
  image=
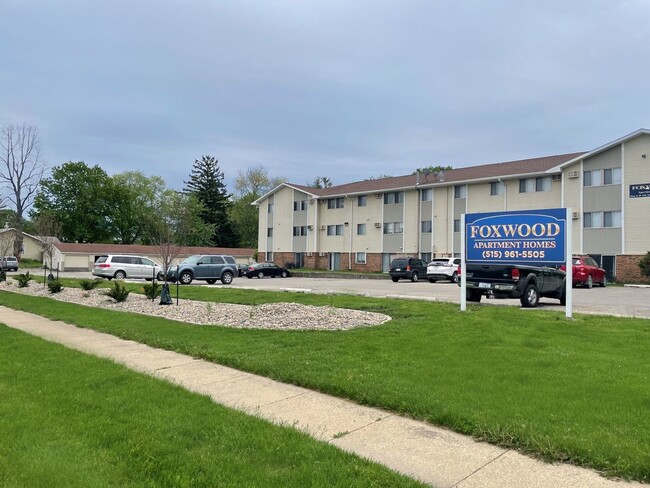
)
(280, 316)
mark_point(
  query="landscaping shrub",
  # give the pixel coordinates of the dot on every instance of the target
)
(119, 293)
(151, 290)
(54, 286)
(23, 279)
(644, 265)
(90, 284)
(3, 275)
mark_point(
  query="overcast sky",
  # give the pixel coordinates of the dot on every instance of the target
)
(345, 89)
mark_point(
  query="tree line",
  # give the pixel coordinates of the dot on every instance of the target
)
(78, 202)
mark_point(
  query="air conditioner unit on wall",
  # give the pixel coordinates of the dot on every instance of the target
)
(378, 195)
(557, 177)
(321, 254)
(309, 254)
(310, 227)
(322, 200)
(575, 215)
(311, 201)
(573, 174)
(322, 227)
(378, 225)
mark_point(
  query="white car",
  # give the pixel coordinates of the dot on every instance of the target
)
(443, 269)
(121, 267)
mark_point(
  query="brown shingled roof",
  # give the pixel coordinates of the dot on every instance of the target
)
(89, 248)
(485, 171)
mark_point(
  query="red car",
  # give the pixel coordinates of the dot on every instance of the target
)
(586, 272)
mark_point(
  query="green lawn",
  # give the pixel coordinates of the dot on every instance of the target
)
(575, 390)
(68, 419)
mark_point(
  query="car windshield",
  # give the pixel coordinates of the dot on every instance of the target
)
(191, 259)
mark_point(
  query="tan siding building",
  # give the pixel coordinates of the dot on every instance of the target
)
(364, 225)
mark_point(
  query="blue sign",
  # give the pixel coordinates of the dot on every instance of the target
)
(526, 236)
(639, 191)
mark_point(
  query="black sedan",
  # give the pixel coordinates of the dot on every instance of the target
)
(266, 269)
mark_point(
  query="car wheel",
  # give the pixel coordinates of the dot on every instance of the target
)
(119, 275)
(160, 277)
(431, 280)
(260, 275)
(454, 277)
(415, 277)
(211, 281)
(474, 296)
(185, 278)
(226, 278)
(604, 282)
(284, 274)
(563, 295)
(590, 282)
(530, 298)
(395, 280)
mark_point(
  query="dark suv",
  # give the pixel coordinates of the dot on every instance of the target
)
(409, 268)
(207, 267)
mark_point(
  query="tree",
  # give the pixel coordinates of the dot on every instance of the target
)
(21, 171)
(380, 177)
(250, 184)
(432, 169)
(206, 185)
(134, 202)
(48, 229)
(177, 223)
(320, 182)
(81, 198)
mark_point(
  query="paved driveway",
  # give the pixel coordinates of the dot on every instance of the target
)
(613, 300)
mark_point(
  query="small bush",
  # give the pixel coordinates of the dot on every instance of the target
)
(3, 275)
(152, 290)
(119, 293)
(54, 286)
(90, 284)
(23, 279)
(644, 265)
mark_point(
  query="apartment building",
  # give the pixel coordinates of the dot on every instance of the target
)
(365, 224)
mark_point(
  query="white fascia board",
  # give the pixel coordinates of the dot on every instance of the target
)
(600, 149)
(277, 188)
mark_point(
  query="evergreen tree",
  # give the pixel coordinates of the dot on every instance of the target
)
(207, 186)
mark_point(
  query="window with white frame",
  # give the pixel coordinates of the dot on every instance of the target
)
(456, 225)
(362, 200)
(600, 177)
(361, 229)
(530, 185)
(597, 220)
(427, 195)
(300, 205)
(300, 231)
(460, 191)
(269, 232)
(426, 226)
(394, 197)
(393, 227)
(270, 208)
(335, 202)
(425, 256)
(269, 256)
(339, 229)
(543, 184)
(496, 188)
(360, 258)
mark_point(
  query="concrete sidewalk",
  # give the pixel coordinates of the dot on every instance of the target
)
(431, 454)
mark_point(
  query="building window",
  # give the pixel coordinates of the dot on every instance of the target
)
(361, 229)
(300, 205)
(425, 256)
(426, 227)
(269, 232)
(612, 176)
(456, 225)
(597, 220)
(393, 227)
(339, 230)
(496, 188)
(600, 177)
(427, 194)
(269, 256)
(394, 197)
(360, 258)
(299, 231)
(362, 200)
(543, 184)
(335, 202)
(270, 208)
(331, 230)
(460, 191)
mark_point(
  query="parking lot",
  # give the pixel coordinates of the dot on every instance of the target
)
(613, 300)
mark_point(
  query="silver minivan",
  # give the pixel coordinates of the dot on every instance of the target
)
(121, 266)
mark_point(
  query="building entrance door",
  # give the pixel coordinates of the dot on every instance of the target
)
(609, 265)
(335, 261)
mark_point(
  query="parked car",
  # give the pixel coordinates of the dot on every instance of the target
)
(9, 263)
(443, 269)
(206, 267)
(586, 271)
(241, 269)
(120, 266)
(266, 269)
(408, 268)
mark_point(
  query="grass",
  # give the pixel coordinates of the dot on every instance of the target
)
(68, 419)
(30, 264)
(576, 391)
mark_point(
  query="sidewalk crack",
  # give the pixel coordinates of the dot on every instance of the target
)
(480, 468)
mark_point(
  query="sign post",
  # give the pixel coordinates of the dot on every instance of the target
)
(533, 237)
